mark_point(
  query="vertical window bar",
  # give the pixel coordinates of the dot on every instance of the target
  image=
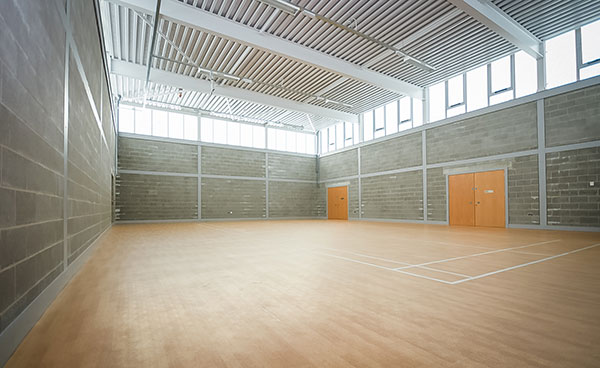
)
(374, 125)
(398, 113)
(489, 82)
(578, 52)
(465, 92)
(446, 99)
(412, 120)
(512, 74)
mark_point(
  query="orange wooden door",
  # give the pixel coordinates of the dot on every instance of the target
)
(461, 199)
(489, 199)
(337, 203)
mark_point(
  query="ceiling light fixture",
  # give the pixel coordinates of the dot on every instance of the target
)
(283, 6)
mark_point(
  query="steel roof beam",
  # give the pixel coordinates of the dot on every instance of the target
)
(159, 76)
(498, 21)
(187, 15)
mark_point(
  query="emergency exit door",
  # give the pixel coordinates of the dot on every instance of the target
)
(477, 199)
(337, 203)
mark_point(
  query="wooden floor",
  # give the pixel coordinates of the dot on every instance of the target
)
(326, 294)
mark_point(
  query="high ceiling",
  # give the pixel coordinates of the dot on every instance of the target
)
(300, 70)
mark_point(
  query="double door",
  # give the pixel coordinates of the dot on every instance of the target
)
(477, 199)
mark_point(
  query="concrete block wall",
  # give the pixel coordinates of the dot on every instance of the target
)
(436, 195)
(509, 130)
(398, 153)
(285, 166)
(523, 191)
(157, 197)
(233, 198)
(571, 198)
(573, 117)
(233, 182)
(394, 197)
(232, 162)
(35, 246)
(146, 155)
(339, 165)
(293, 199)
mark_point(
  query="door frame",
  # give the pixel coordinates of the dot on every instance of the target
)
(334, 185)
(474, 171)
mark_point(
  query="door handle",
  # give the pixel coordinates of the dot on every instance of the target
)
(470, 202)
(477, 203)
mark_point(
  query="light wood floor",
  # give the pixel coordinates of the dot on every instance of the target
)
(325, 294)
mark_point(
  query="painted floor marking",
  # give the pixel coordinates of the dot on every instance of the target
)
(398, 262)
(467, 278)
(479, 254)
(524, 264)
(386, 268)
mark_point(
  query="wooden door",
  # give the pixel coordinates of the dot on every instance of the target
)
(489, 199)
(337, 203)
(460, 199)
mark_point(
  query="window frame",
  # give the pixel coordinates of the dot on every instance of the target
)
(464, 93)
(579, 64)
(510, 89)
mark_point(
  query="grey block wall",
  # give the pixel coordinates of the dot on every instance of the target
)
(397, 196)
(353, 203)
(285, 166)
(523, 191)
(571, 199)
(157, 197)
(233, 182)
(233, 198)
(436, 195)
(573, 117)
(396, 153)
(509, 130)
(339, 165)
(289, 199)
(232, 162)
(148, 155)
(32, 91)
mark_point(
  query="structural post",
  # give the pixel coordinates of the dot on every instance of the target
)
(542, 163)
(424, 162)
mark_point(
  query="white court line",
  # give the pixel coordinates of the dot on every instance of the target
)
(478, 254)
(399, 262)
(479, 246)
(524, 264)
(386, 268)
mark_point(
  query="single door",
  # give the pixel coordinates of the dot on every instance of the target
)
(460, 199)
(489, 199)
(337, 203)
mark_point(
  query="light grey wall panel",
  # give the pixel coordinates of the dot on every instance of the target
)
(571, 199)
(32, 75)
(509, 130)
(89, 171)
(292, 167)
(397, 196)
(232, 162)
(436, 195)
(233, 198)
(353, 205)
(523, 191)
(395, 153)
(288, 199)
(150, 155)
(573, 117)
(338, 165)
(157, 197)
